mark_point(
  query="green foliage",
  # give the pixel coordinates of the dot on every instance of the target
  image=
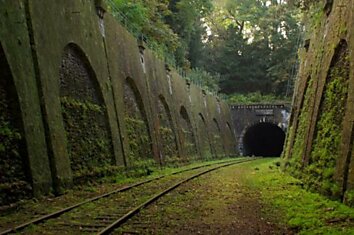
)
(255, 98)
(168, 145)
(349, 198)
(205, 79)
(252, 44)
(304, 212)
(89, 143)
(295, 159)
(139, 141)
(218, 145)
(14, 183)
(189, 143)
(328, 137)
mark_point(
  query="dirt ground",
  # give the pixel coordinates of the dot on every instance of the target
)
(217, 203)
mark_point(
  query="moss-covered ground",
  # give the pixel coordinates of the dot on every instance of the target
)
(250, 198)
(25, 210)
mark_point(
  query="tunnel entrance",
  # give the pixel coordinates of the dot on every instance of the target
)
(263, 139)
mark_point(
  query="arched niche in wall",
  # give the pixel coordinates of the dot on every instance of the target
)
(297, 123)
(136, 125)
(205, 144)
(84, 115)
(329, 124)
(217, 139)
(15, 180)
(230, 139)
(187, 136)
(167, 133)
(297, 148)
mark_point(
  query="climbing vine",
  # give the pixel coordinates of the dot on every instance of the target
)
(14, 183)
(89, 144)
(139, 142)
(168, 145)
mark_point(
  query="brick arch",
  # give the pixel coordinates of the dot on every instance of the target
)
(167, 132)
(205, 143)
(84, 114)
(187, 135)
(136, 125)
(15, 177)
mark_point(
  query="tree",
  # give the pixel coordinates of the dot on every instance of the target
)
(253, 44)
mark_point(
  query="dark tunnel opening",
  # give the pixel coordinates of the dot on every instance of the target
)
(263, 139)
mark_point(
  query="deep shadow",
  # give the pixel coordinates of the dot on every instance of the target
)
(263, 139)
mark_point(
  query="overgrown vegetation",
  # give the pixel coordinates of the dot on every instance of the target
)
(328, 135)
(140, 153)
(137, 130)
(188, 138)
(256, 98)
(240, 46)
(295, 159)
(304, 212)
(14, 182)
(89, 143)
(168, 141)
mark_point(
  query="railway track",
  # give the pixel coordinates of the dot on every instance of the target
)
(104, 213)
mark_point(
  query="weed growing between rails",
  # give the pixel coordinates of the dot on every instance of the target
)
(31, 209)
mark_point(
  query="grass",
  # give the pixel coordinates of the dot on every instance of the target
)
(28, 209)
(302, 211)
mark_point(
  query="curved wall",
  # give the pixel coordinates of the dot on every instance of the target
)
(66, 69)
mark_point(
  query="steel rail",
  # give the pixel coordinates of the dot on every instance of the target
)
(67, 209)
(110, 228)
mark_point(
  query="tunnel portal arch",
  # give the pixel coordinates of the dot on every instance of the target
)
(263, 139)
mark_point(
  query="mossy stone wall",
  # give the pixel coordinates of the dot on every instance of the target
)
(14, 178)
(320, 143)
(77, 121)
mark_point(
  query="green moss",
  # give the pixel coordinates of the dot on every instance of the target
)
(139, 142)
(168, 144)
(289, 133)
(303, 211)
(189, 144)
(217, 142)
(327, 139)
(14, 182)
(294, 162)
(349, 198)
(88, 139)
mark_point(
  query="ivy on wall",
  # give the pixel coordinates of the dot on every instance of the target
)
(137, 129)
(14, 181)
(168, 144)
(85, 117)
(89, 145)
(188, 138)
